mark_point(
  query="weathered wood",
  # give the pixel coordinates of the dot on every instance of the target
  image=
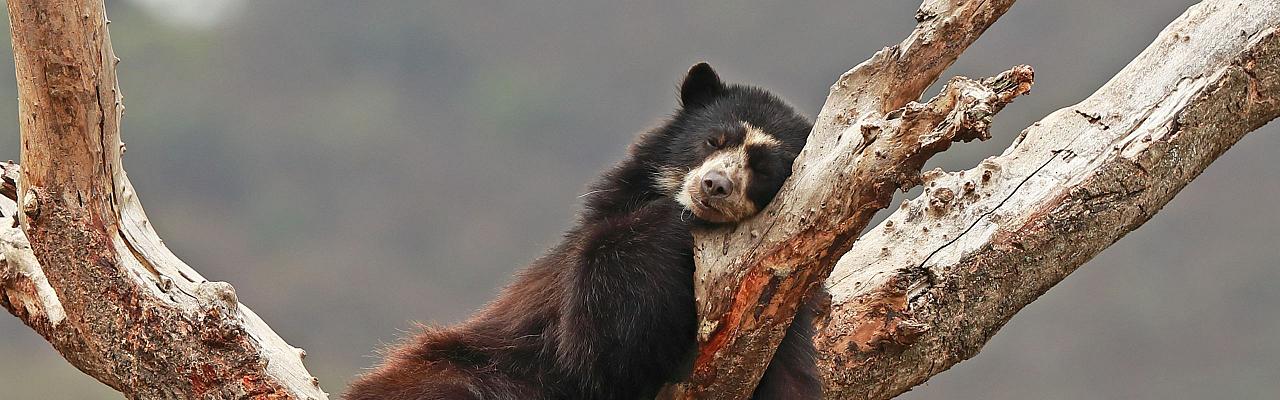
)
(867, 142)
(932, 283)
(86, 270)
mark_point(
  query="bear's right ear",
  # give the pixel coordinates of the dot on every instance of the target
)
(701, 85)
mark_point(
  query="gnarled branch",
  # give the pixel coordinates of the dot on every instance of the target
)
(932, 283)
(86, 270)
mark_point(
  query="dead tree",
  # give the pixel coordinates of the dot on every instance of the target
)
(83, 267)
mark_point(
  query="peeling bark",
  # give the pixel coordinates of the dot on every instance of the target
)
(86, 270)
(932, 283)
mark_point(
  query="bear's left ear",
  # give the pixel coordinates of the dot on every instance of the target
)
(701, 85)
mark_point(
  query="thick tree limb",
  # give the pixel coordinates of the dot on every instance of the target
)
(931, 284)
(94, 278)
(868, 141)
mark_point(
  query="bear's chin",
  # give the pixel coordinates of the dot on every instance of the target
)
(709, 213)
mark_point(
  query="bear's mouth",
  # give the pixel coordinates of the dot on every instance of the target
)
(706, 210)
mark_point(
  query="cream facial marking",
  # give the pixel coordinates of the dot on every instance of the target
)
(669, 179)
(731, 162)
(758, 137)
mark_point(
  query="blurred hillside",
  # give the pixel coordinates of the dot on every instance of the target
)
(354, 166)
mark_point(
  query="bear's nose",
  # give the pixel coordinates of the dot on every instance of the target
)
(716, 184)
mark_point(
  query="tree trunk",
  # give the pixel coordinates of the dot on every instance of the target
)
(86, 270)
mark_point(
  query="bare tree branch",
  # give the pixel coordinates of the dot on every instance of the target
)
(932, 283)
(94, 278)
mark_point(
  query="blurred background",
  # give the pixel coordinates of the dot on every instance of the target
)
(354, 166)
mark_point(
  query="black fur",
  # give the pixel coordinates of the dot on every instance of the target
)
(609, 312)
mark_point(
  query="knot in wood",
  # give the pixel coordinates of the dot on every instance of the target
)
(219, 319)
(869, 132)
(165, 283)
(217, 295)
(940, 201)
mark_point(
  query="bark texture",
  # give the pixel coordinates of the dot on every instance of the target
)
(86, 270)
(932, 283)
(869, 140)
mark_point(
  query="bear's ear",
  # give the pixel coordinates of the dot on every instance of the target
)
(701, 85)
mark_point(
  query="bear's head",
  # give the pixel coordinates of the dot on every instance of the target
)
(728, 149)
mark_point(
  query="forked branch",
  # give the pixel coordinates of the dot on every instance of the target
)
(86, 270)
(933, 282)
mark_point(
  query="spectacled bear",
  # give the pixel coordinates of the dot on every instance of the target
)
(609, 312)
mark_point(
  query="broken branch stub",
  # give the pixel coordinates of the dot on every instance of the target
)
(961, 112)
